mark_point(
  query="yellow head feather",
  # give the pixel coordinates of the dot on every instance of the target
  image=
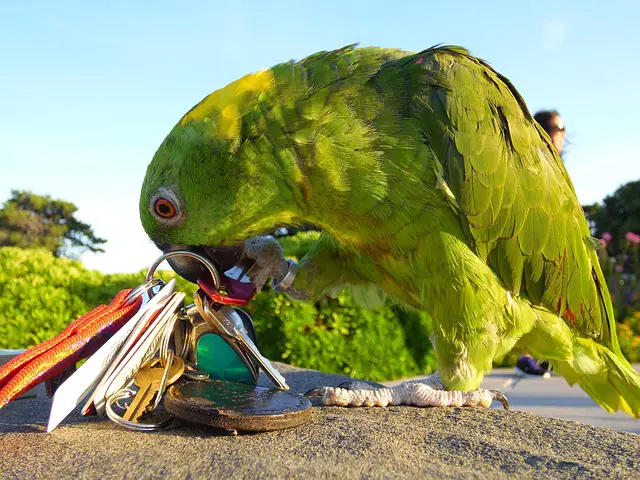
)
(229, 102)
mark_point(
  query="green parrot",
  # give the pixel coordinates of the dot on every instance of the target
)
(431, 183)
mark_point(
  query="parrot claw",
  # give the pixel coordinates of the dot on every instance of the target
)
(316, 392)
(268, 258)
(360, 385)
(501, 397)
(426, 393)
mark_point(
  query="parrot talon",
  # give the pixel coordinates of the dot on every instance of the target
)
(501, 397)
(316, 392)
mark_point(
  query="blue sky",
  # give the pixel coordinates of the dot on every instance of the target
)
(88, 90)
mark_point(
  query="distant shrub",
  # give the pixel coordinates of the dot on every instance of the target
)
(297, 246)
(41, 294)
(336, 336)
(622, 272)
(629, 337)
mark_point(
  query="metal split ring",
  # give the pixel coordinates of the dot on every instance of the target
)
(183, 318)
(163, 381)
(114, 417)
(192, 372)
(140, 290)
(166, 338)
(288, 279)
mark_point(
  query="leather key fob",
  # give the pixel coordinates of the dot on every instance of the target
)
(236, 406)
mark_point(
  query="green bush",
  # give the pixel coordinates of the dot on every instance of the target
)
(297, 246)
(40, 294)
(337, 336)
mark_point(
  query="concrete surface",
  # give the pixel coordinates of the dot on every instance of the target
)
(396, 442)
(553, 398)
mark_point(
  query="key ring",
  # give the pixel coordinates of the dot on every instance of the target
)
(128, 393)
(237, 292)
(192, 372)
(114, 417)
(163, 382)
(166, 337)
(140, 290)
(215, 276)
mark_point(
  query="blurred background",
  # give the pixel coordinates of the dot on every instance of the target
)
(88, 92)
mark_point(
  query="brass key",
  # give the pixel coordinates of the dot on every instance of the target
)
(148, 379)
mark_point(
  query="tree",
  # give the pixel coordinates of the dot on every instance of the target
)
(28, 220)
(618, 214)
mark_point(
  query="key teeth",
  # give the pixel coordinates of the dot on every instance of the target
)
(498, 395)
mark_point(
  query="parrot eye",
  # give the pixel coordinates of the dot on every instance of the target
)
(164, 208)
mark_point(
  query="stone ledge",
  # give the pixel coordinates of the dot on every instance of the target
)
(337, 442)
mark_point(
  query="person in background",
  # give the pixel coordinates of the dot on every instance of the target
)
(551, 122)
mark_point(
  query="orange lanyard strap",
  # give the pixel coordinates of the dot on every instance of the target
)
(79, 340)
(19, 361)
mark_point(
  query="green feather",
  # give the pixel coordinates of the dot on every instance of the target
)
(431, 181)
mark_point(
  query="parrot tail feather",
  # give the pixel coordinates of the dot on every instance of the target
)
(625, 380)
(615, 385)
(605, 375)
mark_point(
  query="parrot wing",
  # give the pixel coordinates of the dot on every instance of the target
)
(499, 170)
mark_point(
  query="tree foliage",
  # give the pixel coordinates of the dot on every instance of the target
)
(618, 214)
(28, 221)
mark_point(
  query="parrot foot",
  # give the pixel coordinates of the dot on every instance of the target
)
(427, 393)
(269, 261)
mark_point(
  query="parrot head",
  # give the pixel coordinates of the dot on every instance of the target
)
(205, 189)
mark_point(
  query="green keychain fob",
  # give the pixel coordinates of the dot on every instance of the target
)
(220, 361)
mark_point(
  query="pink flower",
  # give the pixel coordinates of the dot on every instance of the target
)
(606, 238)
(619, 268)
(633, 237)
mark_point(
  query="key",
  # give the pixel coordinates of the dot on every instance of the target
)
(228, 323)
(159, 302)
(148, 379)
(143, 349)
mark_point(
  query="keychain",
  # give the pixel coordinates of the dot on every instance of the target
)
(147, 349)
